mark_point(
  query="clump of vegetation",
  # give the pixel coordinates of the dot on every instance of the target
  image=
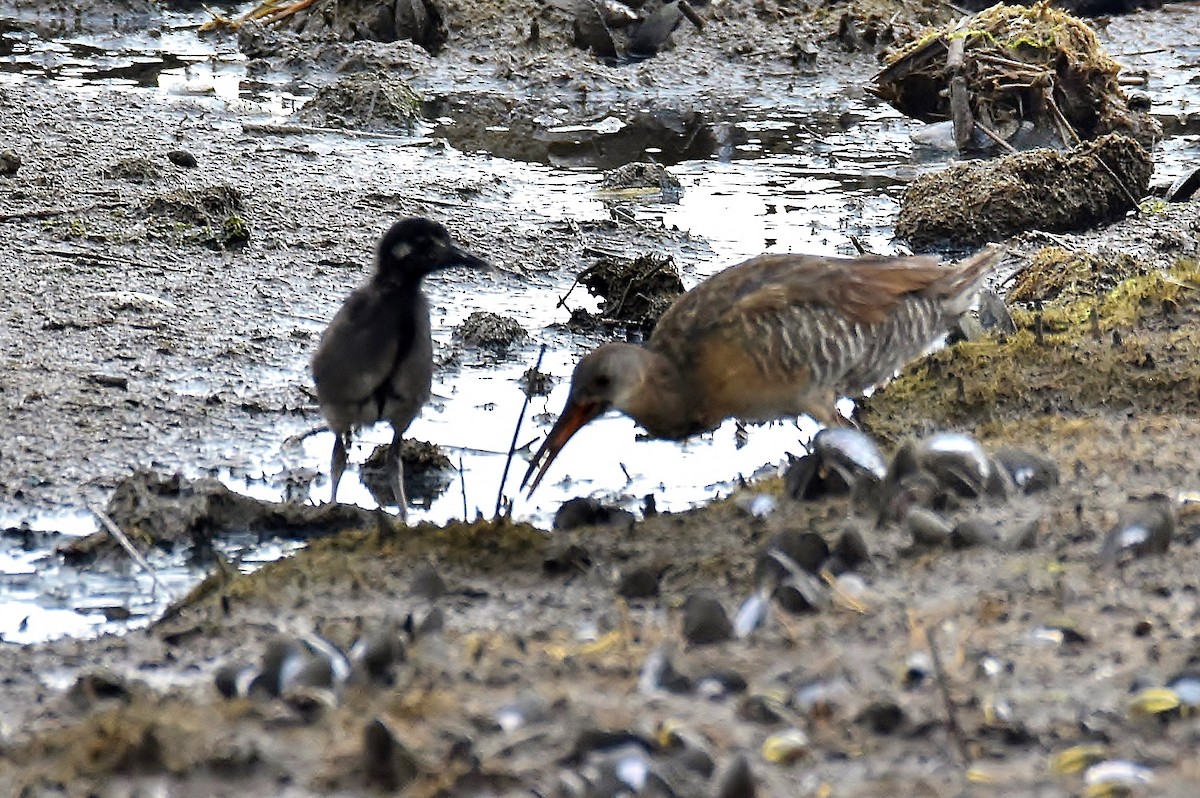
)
(1020, 64)
(1135, 348)
(374, 101)
(1056, 273)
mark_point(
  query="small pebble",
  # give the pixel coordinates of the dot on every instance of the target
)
(704, 620)
(882, 717)
(586, 511)
(640, 582)
(10, 162)
(182, 158)
(972, 532)
(808, 550)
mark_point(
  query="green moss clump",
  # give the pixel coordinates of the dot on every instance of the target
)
(1056, 273)
(1137, 348)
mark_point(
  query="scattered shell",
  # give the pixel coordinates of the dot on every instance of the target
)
(1076, 758)
(234, 680)
(720, 684)
(928, 529)
(850, 453)
(658, 673)
(615, 14)
(1187, 686)
(800, 592)
(841, 460)
(917, 668)
(767, 707)
(377, 651)
(821, 697)
(1142, 528)
(526, 710)
(788, 551)
(785, 747)
(762, 505)
(849, 552)
(1030, 472)
(1102, 777)
(960, 463)
(1154, 701)
(753, 614)
(1058, 635)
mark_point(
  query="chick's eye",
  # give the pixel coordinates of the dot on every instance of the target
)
(603, 381)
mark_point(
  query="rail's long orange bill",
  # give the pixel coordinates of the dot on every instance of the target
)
(574, 416)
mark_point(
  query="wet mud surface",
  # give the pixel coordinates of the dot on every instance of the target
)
(154, 319)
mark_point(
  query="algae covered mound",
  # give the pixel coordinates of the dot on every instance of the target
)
(973, 203)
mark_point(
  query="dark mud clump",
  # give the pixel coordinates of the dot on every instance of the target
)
(372, 101)
(168, 512)
(635, 291)
(133, 170)
(490, 330)
(428, 472)
(217, 213)
(981, 201)
(641, 179)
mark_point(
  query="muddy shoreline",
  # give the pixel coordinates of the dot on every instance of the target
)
(142, 331)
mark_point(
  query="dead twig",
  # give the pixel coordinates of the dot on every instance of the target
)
(1067, 133)
(46, 213)
(126, 544)
(939, 673)
(996, 137)
(462, 484)
(307, 130)
(1120, 183)
(512, 447)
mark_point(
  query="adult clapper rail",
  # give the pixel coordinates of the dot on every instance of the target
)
(375, 360)
(773, 337)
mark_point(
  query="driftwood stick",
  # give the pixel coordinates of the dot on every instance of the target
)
(690, 13)
(272, 129)
(956, 732)
(119, 536)
(960, 113)
(996, 137)
(1065, 132)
